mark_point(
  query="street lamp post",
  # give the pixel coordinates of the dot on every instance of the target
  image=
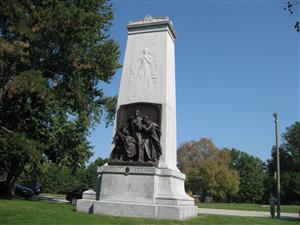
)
(278, 165)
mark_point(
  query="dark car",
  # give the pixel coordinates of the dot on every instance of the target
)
(74, 195)
(23, 191)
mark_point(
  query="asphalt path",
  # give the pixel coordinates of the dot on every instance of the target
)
(50, 198)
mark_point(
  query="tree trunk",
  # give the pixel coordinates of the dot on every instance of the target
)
(16, 166)
(6, 189)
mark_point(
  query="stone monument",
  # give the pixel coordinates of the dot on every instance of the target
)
(141, 178)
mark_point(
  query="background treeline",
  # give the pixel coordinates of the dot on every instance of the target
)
(226, 175)
(61, 179)
(231, 175)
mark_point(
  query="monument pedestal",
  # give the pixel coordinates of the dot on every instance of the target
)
(135, 191)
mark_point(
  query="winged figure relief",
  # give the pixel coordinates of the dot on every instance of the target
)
(143, 68)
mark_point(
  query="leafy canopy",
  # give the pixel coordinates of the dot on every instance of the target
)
(53, 57)
(207, 169)
(252, 174)
(289, 165)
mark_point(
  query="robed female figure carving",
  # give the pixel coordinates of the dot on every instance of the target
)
(151, 143)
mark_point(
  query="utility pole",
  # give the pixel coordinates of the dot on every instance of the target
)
(278, 165)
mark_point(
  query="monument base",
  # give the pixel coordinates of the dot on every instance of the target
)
(135, 191)
(124, 209)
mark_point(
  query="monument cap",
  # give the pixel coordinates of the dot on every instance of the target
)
(153, 22)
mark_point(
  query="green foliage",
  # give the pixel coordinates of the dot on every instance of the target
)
(15, 150)
(61, 179)
(252, 175)
(289, 165)
(292, 143)
(91, 172)
(53, 56)
(57, 179)
(207, 170)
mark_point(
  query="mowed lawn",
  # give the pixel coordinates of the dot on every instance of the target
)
(249, 207)
(26, 212)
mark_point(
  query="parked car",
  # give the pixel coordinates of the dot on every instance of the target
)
(23, 191)
(74, 195)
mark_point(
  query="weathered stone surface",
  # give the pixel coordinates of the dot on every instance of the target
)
(135, 191)
(89, 194)
(85, 205)
(148, 76)
(176, 212)
(136, 186)
(126, 209)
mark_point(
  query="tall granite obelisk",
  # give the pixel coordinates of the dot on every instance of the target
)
(141, 178)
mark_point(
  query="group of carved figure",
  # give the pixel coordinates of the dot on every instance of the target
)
(137, 141)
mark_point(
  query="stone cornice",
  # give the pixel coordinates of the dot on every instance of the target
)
(149, 23)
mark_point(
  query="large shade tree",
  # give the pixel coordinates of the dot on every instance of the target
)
(53, 57)
(252, 175)
(207, 170)
(289, 165)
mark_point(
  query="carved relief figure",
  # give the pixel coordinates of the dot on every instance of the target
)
(142, 71)
(138, 141)
(136, 127)
(143, 74)
(129, 144)
(152, 139)
(125, 146)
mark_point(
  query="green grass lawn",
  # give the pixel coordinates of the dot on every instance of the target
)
(250, 207)
(26, 212)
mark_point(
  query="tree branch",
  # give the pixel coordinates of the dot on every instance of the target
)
(7, 130)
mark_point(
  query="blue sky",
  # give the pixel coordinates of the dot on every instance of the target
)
(237, 62)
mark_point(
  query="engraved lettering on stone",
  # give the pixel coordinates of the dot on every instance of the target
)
(113, 169)
(143, 170)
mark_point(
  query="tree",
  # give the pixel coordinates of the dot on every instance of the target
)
(91, 171)
(207, 169)
(290, 8)
(252, 174)
(53, 56)
(289, 165)
(61, 179)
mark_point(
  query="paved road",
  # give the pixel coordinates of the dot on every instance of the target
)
(50, 198)
(244, 213)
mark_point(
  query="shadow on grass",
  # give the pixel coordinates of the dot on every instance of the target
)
(287, 218)
(7, 197)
